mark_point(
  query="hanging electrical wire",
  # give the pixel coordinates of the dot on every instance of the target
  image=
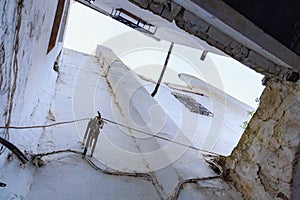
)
(44, 126)
(180, 185)
(116, 123)
(35, 158)
(146, 176)
(37, 161)
(14, 149)
(163, 138)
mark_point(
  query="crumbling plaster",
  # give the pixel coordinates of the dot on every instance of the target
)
(24, 62)
(25, 71)
(264, 164)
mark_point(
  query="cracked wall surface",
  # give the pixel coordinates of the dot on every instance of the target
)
(24, 61)
(25, 70)
(264, 164)
(8, 31)
(191, 23)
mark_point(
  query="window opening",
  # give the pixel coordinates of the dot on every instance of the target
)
(191, 104)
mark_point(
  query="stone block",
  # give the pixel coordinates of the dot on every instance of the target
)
(162, 2)
(211, 41)
(166, 14)
(193, 27)
(277, 68)
(233, 48)
(258, 62)
(171, 11)
(220, 45)
(156, 8)
(179, 22)
(219, 36)
(237, 50)
(245, 50)
(190, 17)
(229, 50)
(201, 35)
(202, 25)
(175, 8)
(190, 28)
(142, 3)
(238, 56)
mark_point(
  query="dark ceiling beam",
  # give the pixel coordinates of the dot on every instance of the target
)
(238, 27)
(226, 29)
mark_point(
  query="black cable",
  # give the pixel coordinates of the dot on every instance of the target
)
(180, 185)
(116, 123)
(43, 126)
(146, 176)
(24, 159)
(163, 70)
(40, 155)
(162, 138)
(5, 134)
(14, 149)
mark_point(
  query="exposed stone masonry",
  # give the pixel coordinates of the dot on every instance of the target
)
(194, 25)
(264, 164)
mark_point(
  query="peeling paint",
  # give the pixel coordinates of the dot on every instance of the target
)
(14, 63)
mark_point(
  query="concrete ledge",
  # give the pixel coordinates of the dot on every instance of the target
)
(133, 98)
(143, 112)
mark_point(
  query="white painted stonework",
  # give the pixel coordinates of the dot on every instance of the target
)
(120, 95)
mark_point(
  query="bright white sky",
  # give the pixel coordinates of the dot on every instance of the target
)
(87, 28)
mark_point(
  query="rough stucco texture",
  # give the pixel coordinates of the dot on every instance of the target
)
(24, 36)
(25, 71)
(264, 165)
(7, 31)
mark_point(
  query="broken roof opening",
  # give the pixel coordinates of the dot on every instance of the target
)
(203, 71)
(85, 32)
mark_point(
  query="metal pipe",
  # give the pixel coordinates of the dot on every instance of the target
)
(203, 55)
(15, 150)
(163, 70)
